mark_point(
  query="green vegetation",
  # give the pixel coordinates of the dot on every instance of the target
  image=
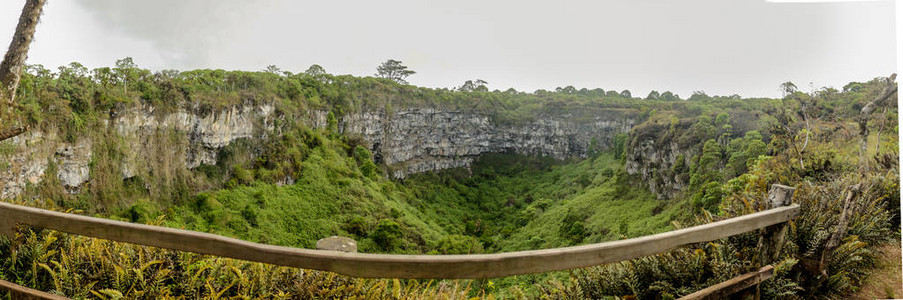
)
(507, 204)
(301, 184)
(848, 210)
(870, 213)
(513, 203)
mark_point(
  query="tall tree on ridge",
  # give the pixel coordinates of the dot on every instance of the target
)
(394, 70)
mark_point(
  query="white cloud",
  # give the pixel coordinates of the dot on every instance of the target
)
(722, 47)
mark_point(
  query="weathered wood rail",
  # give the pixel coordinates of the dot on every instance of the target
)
(403, 266)
(393, 265)
(19, 292)
(734, 285)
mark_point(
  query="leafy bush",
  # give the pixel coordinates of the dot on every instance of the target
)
(387, 234)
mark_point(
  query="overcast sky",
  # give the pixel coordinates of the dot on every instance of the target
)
(721, 47)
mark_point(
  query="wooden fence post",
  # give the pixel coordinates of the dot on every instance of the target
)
(7, 226)
(771, 238)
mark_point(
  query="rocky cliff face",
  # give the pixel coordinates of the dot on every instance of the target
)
(407, 142)
(661, 154)
(655, 160)
(139, 131)
(26, 158)
(421, 140)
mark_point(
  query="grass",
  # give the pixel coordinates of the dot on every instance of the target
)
(886, 281)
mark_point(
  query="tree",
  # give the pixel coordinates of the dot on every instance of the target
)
(478, 85)
(273, 69)
(168, 74)
(14, 62)
(808, 110)
(653, 95)
(126, 70)
(668, 96)
(883, 99)
(788, 88)
(566, 90)
(699, 96)
(743, 151)
(74, 84)
(722, 118)
(852, 87)
(572, 227)
(42, 76)
(387, 234)
(596, 92)
(625, 94)
(708, 168)
(104, 76)
(394, 70)
(315, 70)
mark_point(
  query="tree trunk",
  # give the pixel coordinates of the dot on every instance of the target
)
(880, 101)
(12, 132)
(14, 61)
(12, 65)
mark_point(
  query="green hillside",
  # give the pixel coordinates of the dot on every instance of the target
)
(300, 184)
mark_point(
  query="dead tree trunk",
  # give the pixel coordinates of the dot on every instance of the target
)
(880, 101)
(14, 62)
(12, 132)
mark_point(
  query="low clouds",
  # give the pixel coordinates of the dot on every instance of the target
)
(746, 47)
(185, 33)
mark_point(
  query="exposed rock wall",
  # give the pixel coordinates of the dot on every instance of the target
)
(25, 158)
(206, 133)
(661, 154)
(653, 155)
(409, 141)
(421, 140)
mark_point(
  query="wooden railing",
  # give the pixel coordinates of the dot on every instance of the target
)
(395, 265)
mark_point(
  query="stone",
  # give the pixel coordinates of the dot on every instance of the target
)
(73, 161)
(780, 195)
(337, 243)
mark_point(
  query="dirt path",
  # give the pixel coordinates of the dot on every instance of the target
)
(887, 281)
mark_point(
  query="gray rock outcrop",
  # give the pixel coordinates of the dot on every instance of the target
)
(421, 140)
(407, 141)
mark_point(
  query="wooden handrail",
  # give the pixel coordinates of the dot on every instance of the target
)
(23, 293)
(392, 265)
(732, 286)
